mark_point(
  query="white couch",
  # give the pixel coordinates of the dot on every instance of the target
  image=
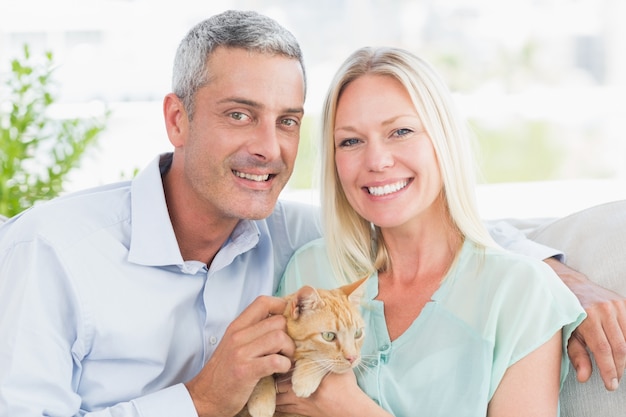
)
(594, 241)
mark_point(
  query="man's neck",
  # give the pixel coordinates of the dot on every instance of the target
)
(200, 235)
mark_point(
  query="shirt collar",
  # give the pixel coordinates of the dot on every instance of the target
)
(153, 241)
(244, 237)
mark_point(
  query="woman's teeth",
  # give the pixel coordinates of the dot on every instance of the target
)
(387, 189)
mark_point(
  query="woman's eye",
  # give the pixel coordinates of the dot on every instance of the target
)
(328, 336)
(348, 142)
(402, 132)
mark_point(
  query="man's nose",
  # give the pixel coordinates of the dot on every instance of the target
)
(264, 144)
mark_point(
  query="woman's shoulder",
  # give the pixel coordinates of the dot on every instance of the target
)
(502, 276)
(511, 286)
(503, 263)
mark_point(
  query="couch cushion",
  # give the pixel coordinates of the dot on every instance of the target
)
(594, 241)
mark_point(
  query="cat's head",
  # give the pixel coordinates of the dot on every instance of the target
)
(326, 327)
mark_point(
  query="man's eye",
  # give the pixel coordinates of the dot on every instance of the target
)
(289, 122)
(238, 115)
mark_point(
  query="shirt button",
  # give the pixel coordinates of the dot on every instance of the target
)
(384, 347)
(213, 340)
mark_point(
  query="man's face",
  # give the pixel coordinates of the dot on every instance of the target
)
(240, 146)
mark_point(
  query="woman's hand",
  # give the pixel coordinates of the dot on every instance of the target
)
(338, 395)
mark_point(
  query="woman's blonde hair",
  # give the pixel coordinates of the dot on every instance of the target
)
(355, 246)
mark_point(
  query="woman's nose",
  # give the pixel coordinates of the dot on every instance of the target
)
(378, 157)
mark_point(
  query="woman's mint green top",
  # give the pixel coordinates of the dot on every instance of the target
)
(492, 309)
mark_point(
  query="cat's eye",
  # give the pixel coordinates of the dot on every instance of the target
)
(328, 336)
(358, 333)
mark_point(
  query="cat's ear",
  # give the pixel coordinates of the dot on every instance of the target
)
(306, 298)
(354, 291)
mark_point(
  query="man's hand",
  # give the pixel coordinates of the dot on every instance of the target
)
(255, 345)
(603, 332)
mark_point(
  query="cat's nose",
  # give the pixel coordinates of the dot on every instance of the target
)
(351, 358)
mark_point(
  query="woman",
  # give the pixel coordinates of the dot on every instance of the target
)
(455, 326)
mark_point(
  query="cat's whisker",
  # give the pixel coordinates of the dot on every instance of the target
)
(363, 368)
(369, 360)
(317, 370)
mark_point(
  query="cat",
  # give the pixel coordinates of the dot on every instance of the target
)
(327, 329)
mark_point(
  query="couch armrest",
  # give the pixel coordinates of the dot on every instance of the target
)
(594, 243)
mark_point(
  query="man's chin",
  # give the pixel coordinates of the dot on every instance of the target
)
(258, 210)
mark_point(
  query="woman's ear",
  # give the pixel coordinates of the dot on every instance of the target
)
(176, 120)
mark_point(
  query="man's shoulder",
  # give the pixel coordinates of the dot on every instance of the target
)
(296, 208)
(76, 213)
(295, 217)
(291, 225)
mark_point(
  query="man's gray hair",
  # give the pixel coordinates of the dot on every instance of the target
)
(232, 29)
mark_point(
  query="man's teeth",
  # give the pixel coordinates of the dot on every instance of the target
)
(387, 189)
(252, 177)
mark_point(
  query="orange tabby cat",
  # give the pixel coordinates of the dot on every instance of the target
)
(327, 329)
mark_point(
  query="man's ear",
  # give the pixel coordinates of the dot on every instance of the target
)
(176, 120)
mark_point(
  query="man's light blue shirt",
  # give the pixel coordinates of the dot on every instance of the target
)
(101, 316)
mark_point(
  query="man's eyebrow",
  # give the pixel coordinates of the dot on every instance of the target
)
(255, 104)
(295, 110)
(239, 100)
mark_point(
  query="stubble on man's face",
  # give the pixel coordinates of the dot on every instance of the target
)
(244, 135)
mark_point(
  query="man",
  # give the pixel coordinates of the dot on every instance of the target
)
(152, 297)
(111, 299)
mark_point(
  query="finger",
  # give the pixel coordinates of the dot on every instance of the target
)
(275, 342)
(270, 324)
(579, 356)
(617, 342)
(620, 341)
(282, 383)
(285, 397)
(604, 334)
(251, 362)
(270, 364)
(259, 309)
(260, 340)
(603, 355)
(258, 350)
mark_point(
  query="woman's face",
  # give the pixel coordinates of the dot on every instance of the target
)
(385, 159)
